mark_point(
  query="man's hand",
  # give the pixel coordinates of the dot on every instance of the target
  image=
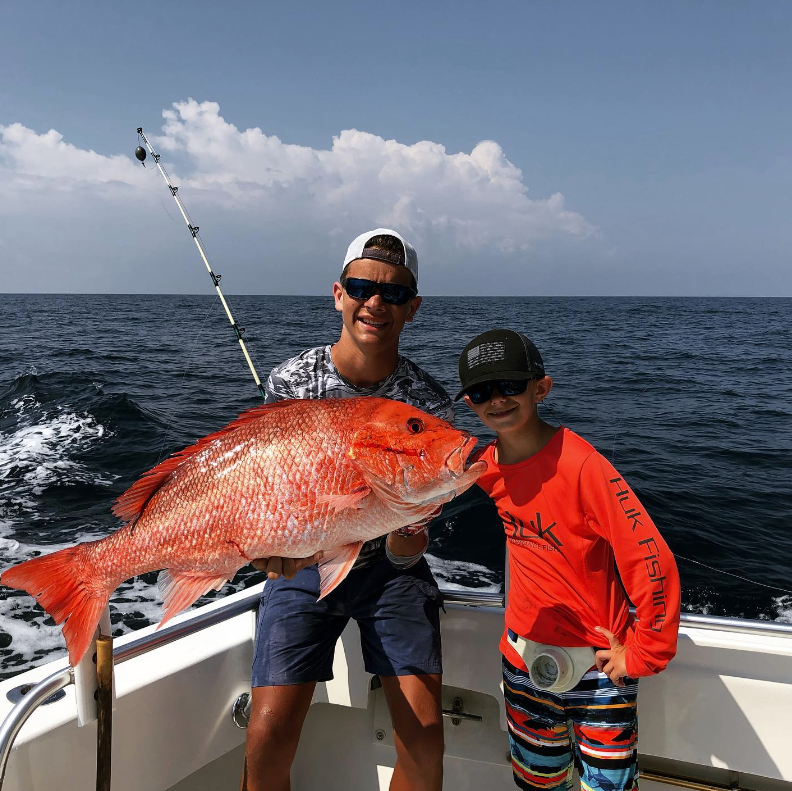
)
(288, 567)
(613, 661)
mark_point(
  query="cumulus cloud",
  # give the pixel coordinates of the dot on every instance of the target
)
(44, 161)
(473, 199)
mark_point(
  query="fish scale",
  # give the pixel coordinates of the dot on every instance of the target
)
(286, 479)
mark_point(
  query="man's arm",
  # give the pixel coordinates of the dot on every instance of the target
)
(407, 545)
(405, 551)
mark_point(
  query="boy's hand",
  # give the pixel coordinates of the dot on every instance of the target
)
(288, 567)
(613, 661)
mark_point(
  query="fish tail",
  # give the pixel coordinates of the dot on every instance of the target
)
(64, 585)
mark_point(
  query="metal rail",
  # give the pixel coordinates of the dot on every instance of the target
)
(198, 621)
(21, 712)
(472, 598)
(742, 625)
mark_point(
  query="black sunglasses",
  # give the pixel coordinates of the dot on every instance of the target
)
(480, 393)
(392, 293)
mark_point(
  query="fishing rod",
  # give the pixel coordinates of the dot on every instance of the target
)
(140, 153)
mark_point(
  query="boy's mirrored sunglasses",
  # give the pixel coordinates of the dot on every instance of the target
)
(480, 393)
(392, 293)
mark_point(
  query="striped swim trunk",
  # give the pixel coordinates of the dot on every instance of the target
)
(593, 727)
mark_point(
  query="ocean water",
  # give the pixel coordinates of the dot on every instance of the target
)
(691, 399)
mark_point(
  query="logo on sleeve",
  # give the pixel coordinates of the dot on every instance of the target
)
(623, 496)
(652, 556)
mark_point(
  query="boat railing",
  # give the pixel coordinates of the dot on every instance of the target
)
(19, 715)
(64, 676)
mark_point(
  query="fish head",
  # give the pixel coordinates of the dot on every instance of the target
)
(410, 457)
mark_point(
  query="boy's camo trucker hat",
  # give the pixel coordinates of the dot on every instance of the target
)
(358, 249)
(498, 354)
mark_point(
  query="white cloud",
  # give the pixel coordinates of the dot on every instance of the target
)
(469, 199)
(31, 161)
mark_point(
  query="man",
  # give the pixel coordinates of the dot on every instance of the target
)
(390, 591)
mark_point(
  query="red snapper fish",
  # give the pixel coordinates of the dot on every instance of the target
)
(285, 479)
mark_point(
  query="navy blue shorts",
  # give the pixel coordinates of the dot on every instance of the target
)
(397, 612)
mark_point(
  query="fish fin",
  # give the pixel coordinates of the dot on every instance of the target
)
(131, 504)
(335, 565)
(425, 515)
(61, 582)
(384, 492)
(338, 502)
(181, 589)
(412, 513)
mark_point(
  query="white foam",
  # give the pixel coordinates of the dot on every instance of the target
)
(30, 635)
(783, 607)
(38, 453)
(460, 575)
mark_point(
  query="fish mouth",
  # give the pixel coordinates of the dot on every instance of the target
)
(455, 461)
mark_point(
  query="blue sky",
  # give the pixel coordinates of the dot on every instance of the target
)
(661, 128)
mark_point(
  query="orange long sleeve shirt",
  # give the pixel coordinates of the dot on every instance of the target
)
(570, 521)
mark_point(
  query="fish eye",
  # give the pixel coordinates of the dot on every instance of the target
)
(415, 425)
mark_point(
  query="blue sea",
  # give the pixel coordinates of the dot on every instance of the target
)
(691, 399)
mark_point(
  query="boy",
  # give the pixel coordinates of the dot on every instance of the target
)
(390, 591)
(570, 521)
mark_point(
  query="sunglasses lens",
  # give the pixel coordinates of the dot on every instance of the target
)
(480, 393)
(395, 294)
(358, 288)
(513, 387)
(392, 293)
(508, 387)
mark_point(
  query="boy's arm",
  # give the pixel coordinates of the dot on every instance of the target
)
(646, 566)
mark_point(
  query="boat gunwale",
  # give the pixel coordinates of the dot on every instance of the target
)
(464, 598)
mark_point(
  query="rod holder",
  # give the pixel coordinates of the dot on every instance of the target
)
(104, 710)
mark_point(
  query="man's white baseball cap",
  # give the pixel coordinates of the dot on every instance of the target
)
(358, 249)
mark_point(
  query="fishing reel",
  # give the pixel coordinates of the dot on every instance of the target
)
(140, 152)
(553, 668)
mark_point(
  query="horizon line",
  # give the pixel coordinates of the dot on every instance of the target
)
(429, 295)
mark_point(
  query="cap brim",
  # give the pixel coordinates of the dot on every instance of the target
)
(518, 375)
